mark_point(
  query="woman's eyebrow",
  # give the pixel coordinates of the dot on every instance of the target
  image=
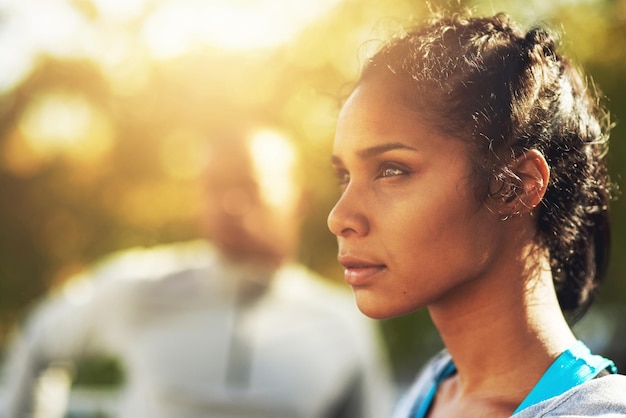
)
(382, 148)
(375, 150)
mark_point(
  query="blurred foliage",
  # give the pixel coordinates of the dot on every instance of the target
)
(103, 151)
(99, 371)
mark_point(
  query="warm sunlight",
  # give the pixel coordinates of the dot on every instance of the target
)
(62, 123)
(167, 28)
(274, 159)
(183, 153)
(176, 26)
(31, 27)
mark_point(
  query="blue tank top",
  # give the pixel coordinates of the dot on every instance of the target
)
(573, 367)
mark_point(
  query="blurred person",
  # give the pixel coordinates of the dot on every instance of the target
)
(471, 159)
(230, 326)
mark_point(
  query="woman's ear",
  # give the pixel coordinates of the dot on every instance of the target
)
(525, 185)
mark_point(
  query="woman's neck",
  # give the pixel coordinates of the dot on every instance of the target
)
(503, 331)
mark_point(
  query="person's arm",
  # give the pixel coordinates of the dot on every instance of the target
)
(372, 391)
(52, 335)
(63, 328)
(363, 383)
(378, 388)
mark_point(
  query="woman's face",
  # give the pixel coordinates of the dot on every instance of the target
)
(409, 226)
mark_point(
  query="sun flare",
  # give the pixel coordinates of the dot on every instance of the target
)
(176, 26)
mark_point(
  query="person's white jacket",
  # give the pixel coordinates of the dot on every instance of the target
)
(200, 337)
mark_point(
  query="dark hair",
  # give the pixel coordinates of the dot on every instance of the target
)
(510, 91)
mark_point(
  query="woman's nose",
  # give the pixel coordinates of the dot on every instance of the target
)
(346, 217)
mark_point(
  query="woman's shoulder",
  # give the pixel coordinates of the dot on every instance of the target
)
(604, 396)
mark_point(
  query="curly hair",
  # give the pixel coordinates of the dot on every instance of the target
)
(508, 91)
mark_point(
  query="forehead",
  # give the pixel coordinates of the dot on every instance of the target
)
(375, 110)
(376, 119)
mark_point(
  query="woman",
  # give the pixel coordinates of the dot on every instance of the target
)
(470, 156)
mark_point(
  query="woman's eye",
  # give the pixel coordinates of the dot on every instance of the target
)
(392, 172)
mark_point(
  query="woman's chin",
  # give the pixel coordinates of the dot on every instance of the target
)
(378, 308)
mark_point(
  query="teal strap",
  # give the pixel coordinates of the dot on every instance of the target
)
(423, 408)
(572, 368)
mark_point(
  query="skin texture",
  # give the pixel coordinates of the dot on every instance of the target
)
(412, 233)
(407, 210)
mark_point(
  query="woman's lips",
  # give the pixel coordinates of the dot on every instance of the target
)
(359, 272)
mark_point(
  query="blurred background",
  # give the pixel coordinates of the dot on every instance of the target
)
(105, 105)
